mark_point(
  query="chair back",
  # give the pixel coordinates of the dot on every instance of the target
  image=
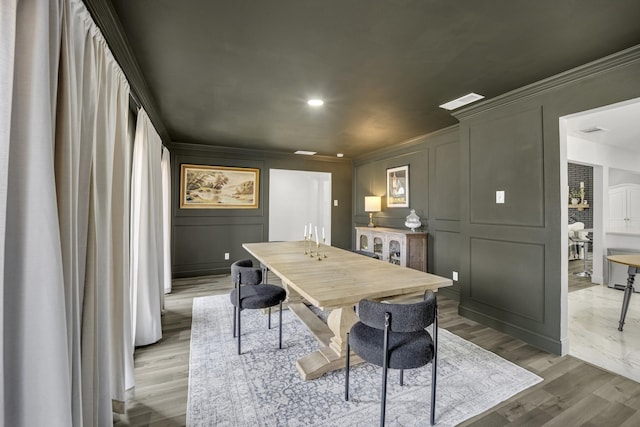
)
(249, 275)
(404, 317)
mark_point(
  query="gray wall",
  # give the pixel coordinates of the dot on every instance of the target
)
(510, 254)
(202, 236)
(434, 182)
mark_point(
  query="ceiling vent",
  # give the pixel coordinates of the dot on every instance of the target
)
(593, 129)
(463, 100)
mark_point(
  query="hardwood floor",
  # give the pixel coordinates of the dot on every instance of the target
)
(573, 392)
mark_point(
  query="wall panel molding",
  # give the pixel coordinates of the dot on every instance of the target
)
(515, 289)
(507, 154)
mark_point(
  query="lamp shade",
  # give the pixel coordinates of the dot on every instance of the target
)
(372, 203)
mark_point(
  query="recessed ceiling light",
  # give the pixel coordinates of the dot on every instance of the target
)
(463, 100)
(340, 155)
(306, 153)
(316, 102)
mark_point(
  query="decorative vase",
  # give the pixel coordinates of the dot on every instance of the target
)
(574, 201)
(413, 220)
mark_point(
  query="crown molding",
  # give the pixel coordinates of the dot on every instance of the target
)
(107, 20)
(591, 69)
(242, 152)
(406, 145)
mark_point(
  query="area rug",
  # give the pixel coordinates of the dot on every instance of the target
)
(263, 388)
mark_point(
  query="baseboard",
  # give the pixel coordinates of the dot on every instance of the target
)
(196, 273)
(542, 342)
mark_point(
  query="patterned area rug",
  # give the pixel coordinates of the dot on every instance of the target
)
(263, 388)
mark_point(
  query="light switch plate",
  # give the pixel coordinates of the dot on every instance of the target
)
(335, 203)
(500, 196)
(226, 256)
(455, 276)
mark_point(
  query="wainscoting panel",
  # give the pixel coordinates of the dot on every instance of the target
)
(507, 154)
(446, 257)
(447, 181)
(502, 277)
(200, 249)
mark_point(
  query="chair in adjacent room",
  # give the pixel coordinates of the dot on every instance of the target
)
(250, 293)
(395, 336)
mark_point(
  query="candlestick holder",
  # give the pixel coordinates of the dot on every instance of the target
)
(318, 251)
(310, 247)
(324, 248)
(305, 245)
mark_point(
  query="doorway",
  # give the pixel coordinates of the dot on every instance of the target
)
(297, 199)
(603, 139)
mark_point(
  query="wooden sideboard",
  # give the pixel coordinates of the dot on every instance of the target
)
(402, 247)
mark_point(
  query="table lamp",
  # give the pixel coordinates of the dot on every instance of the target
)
(372, 204)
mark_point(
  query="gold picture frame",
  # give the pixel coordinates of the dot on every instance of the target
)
(398, 187)
(218, 187)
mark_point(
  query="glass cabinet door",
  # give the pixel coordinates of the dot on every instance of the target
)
(377, 246)
(364, 243)
(394, 252)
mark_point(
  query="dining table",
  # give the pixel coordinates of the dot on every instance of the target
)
(633, 267)
(335, 280)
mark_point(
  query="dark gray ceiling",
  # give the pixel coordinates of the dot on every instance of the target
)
(238, 73)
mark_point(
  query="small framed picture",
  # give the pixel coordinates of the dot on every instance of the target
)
(398, 187)
(218, 187)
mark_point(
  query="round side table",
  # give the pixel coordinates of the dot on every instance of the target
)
(633, 262)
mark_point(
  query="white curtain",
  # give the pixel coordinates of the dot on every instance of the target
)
(36, 369)
(166, 217)
(8, 14)
(147, 270)
(66, 308)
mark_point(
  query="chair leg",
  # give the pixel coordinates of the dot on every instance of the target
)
(434, 368)
(385, 369)
(239, 332)
(346, 371)
(234, 320)
(238, 310)
(401, 377)
(269, 322)
(280, 327)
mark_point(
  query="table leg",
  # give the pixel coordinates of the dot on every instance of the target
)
(627, 296)
(333, 356)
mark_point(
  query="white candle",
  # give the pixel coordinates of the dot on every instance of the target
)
(317, 239)
(305, 231)
(323, 234)
(309, 229)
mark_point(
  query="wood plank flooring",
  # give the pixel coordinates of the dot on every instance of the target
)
(573, 392)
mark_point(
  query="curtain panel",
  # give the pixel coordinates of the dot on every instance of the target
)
(147, 270)
(166, 218)
(64, 211)
(8, 14)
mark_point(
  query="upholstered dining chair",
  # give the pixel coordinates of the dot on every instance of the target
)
(250, 293)
(395, 336)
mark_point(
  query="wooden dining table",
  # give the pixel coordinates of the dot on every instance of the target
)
(335, 280)
(633, 264)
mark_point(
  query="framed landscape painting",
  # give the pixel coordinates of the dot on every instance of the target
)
(398, 187)
(218, 187)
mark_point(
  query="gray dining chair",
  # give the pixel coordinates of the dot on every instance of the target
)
(250, 293)
(394, 336)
